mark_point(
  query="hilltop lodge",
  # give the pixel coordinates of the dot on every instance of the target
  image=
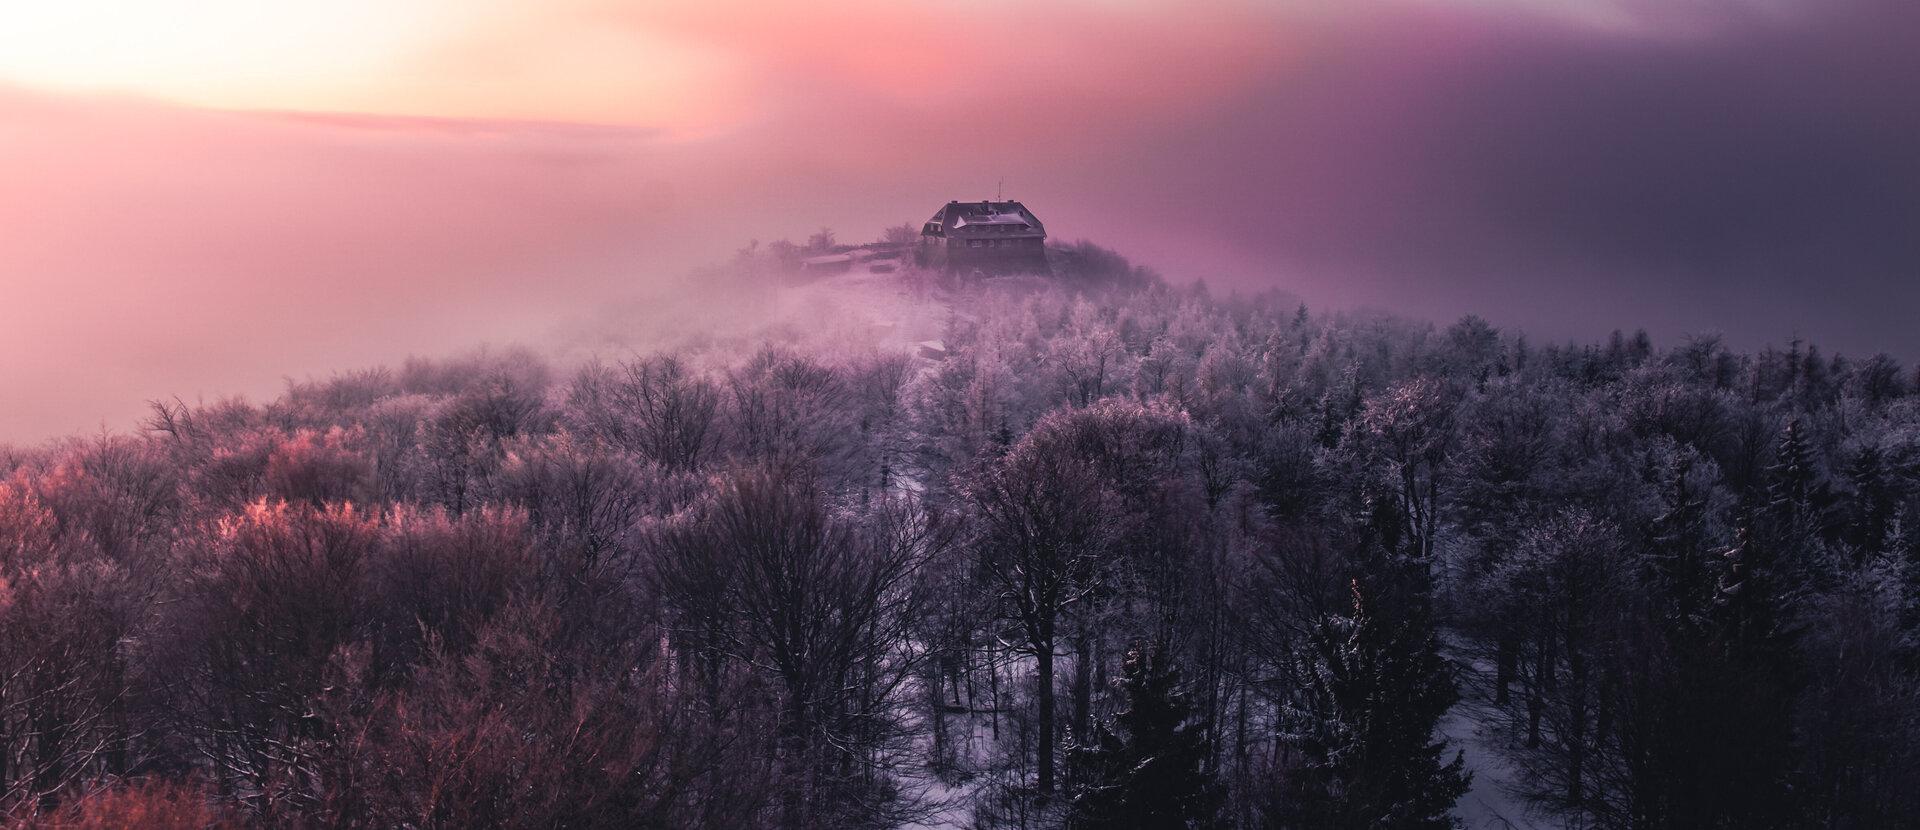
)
(990, 237)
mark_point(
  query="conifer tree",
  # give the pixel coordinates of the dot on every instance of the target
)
(1148, 770)
(1872, 514)
(1745, 740)
(1362, 751)
(1794, 522)
(1679, 558)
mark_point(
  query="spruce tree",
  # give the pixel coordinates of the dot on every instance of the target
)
(1679, 558)
(1872, 514)
(1745, 740)
(1148, 769)
(1794, 522)
(1362, 752)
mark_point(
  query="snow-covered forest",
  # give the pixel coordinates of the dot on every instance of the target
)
(1112, 555)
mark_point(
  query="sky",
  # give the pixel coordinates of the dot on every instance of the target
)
(204, 197)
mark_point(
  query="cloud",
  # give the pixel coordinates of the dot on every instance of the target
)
(152, 250)
(1751, 172)
(1756, 175)
(1769, 171)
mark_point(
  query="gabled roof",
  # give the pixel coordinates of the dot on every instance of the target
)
(958, 215)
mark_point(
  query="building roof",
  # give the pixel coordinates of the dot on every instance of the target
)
(958, 217)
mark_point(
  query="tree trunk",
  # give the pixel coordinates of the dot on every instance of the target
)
(50, 766)
(993, 691)
(6, 744)
(1043, 675)
(938, 703)
(1507, 664)
(1083, 684)
(799, 764)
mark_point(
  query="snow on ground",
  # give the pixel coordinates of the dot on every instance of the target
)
(1473, 725)
(1489, 805)
(890, 310)
(950, 805)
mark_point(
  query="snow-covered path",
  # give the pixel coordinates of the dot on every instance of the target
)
(1473, 725)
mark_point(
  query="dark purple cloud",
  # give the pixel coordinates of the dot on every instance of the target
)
(1759, 176)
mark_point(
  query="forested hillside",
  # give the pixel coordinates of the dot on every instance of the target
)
(1116, 556)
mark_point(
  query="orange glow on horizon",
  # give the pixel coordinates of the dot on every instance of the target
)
(683, 68)
(205, 51)
(493, 59)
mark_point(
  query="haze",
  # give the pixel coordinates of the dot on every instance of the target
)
(202, 202)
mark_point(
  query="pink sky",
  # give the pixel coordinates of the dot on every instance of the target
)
(199, 215)
(203, 202)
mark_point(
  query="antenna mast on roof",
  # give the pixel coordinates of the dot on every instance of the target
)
(999, 190)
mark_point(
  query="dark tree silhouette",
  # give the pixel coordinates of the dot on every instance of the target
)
(818, 603)
(1358, 748)
(1149, 769)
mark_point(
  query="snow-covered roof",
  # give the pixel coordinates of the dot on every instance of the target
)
(956, 215)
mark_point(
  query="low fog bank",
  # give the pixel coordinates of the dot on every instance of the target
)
(772, 301)
(763, 302)
(1753, 178)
